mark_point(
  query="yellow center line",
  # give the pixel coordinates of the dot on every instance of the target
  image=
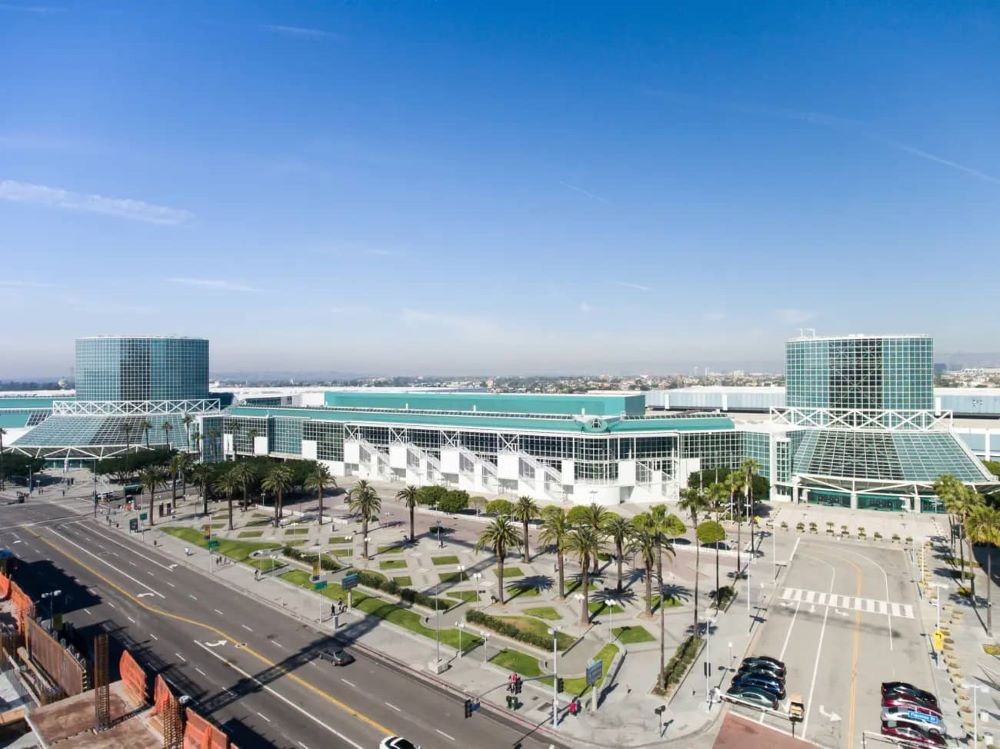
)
(225, 636)
(854, 659)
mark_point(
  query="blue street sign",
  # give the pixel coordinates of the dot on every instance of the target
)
(594, 671)
(923, 717)
(350, 581)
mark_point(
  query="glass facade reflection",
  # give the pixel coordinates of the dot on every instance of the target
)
(141, 369)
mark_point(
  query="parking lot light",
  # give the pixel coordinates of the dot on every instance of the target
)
(975, 710)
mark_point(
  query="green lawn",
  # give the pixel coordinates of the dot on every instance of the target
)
(447, 559)
(250, 534)
(390, 549)
(632, 635)
(392, 564)
(296, 531)
(518, 662)
(469, 596)
(339, 541)
(293, 544)
(538, 627)
(670, 602)
(237, 550)
(339, 552)
(522, 591)
(390, 612)
(216, 526)
(602, 607)
(452, 577)
(573, 585)
(544, 612)
(403, 581)
(578, 686)
(509, 572)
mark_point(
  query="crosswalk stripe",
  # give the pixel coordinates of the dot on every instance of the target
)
(837, 600)
(810, 596)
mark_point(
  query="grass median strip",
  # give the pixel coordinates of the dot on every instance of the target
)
(447, 559)
(544, 612)
(510, 572)
(392, 564)
(633, 635)
(239, 551)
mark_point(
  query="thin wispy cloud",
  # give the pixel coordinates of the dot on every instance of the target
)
(630, 285)
(715, 316)
(213, 283)
(792, 316)
(585, 308)
(475, 327)
(830, 121)
(588, 193)
(55, 197)
(27, 285)
(302, 31)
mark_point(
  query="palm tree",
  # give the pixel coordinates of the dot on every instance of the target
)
(618, 530)
(244, 476)
(151, 479)
(178, 466)
(252, 435)
(525, 510)
(960, 503)
(229, 483)
(196, 439)
(409, 496)
(594, 516)
(586, 542)
(554, 530)
(750, 468)
(277, 481)
(499, 536)
(186, 420)
(319, 478)
(145, 426)
(201, 474)
(734, 483)
(365, 501)
(645, 537)
(166, 426)
(712, 532)
(693, 502)
(2, 433)
(127, 429)
(984, 527)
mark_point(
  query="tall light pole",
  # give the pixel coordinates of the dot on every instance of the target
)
(708, 659)
(554, 631)
(461, 573)
(477, 576)
(437, 632)
(975, 711)
(461, 628)
(611, 603)
(486, 639)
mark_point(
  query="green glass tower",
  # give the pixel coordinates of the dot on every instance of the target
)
(141, 369)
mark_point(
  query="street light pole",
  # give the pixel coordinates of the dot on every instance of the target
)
(611, 618)
(975, 711)
(461, 626)
(437, 629)
(554, 631)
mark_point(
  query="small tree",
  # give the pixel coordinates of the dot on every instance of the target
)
(453, 501)
(409, 496)
(711, 532)
(500, 507)
(363, 500)
(320, 478)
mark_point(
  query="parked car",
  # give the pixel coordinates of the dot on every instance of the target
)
(903, 700)
(762, 668)
(924, 715)
(336, 657)
(775, 686)
(764, 661)
(755, 695)
(396, 742)
(897, 688)
(913, 735)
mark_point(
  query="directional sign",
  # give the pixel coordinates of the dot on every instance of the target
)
(142, 516)
(133, 525)
(938, 640)
(594, 671)
(319, 585)
(213, 544)
(350, 581)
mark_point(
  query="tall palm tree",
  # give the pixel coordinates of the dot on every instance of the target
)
(145, 426)
(555, 528)
(693, 502)
(319, 478)
(277, 481)
(525, 511)
(178, 468)
(619, 531)
(750, 468)
(499, 536)
(201, 474)
(244, 475)
(127, 429)
(364, 501)
(196, 440)
(187, 419)
(594, 516)
(151, 479)
(2, 474)
(951, 492)
(229, 483)
(166, 426)
(409, 496)
(734, 484)
(252, 435)
(586, 542)
(645, 535)
(984, 527)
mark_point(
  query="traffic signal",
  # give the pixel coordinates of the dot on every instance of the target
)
(517, 686)
(560, 683)
(468, 708)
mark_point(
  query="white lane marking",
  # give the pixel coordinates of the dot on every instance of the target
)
(89, 612)
(389, 704)
(246, 628)
(810, 596)
(275, 642)
(281, 697)
(181, 657)
(819, 650)
(130, 619)
(264, 716)
(153, 636)
(200, 671)
(349, 683)
(218, 612)
(105, 561)
(130, 562)
(192, 596)
(450, 738)
(112, 605)
(170, 583)
(127, 548)
(303, 745)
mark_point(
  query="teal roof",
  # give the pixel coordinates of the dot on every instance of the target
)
(474, 421)
(497, 403)
(33, 403)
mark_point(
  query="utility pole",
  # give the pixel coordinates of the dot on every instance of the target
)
(554, 631)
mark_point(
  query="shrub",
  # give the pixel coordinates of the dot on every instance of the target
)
(812, 527)
(680, 662)
(895, 538)
(372, 580)
(508, 630)
(800, 527)
(309, 558)
(784, 525)
(909, 539)
(453, 501)
(877, 536)
(500, 507)
(725, 595)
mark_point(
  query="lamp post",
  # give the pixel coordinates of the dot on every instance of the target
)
(554, 631)
(486, 638)
(461, 573)
(437, 630)
(51, 596)
(477, 576)
(708, 659)
(611, 603)
(975, 711)
(461, 628)
(368, 540)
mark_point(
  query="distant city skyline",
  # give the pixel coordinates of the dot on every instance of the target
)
(511, 188)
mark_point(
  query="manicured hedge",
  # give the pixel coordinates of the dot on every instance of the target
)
(508, 630)
(681, 661)
(310, 558)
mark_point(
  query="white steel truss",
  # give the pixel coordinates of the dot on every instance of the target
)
(134, 408)
(856, 419)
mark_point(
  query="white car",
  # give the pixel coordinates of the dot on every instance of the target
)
(396, 742)
(916, 716)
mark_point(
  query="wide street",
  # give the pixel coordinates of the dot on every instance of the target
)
(844, 619)
(253, 670)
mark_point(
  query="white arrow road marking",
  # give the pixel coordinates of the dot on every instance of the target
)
(282, 697)
(831, 716)
(218, 644)
(143, 595)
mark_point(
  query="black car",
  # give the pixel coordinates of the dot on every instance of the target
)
(759, 697)
(764, 661)
(762, 668)
(336, 657)
(905, 689)
(761, 681)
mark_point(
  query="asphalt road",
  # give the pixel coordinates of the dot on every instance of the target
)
(844, 620)
(253, 670)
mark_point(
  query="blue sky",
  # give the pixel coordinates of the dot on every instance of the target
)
(504, 188)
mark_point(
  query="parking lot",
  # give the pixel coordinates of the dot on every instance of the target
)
(844, 619)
